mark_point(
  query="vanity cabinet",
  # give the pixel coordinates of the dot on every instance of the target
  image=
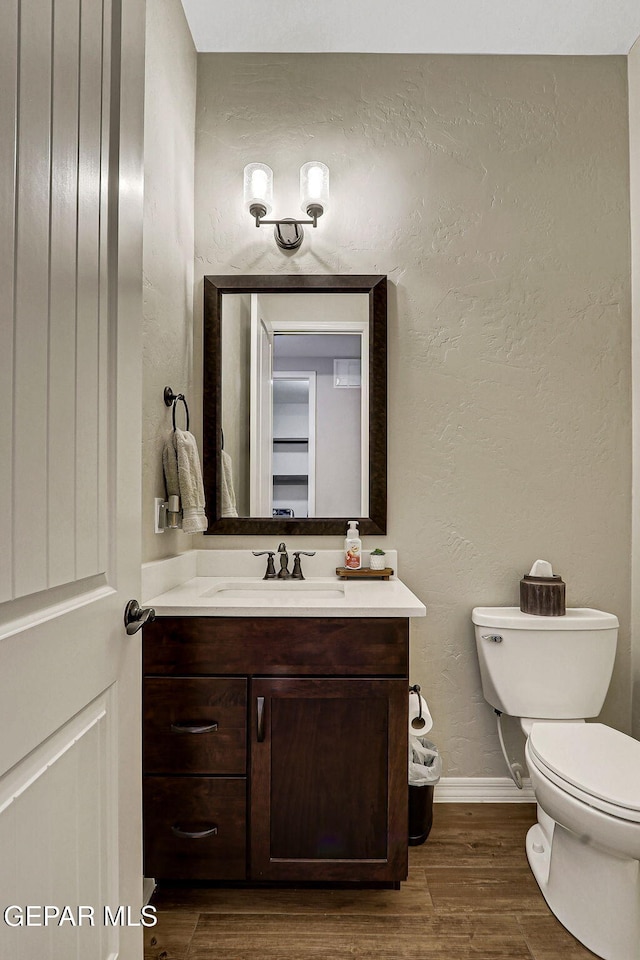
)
(275, 748)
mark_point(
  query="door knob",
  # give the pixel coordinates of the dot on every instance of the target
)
(136, 616)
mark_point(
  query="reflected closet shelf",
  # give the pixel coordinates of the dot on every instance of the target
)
(290, 478)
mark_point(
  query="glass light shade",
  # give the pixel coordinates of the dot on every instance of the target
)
(258, 186)
(314, 185)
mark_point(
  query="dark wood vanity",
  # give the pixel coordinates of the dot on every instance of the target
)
(275, 749)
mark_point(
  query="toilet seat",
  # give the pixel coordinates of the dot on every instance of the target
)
(591, 762)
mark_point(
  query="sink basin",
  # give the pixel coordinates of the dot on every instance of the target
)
(274, 592)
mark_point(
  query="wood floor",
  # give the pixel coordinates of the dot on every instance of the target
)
(470, 896)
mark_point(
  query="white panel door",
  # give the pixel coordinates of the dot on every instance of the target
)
(71, 95)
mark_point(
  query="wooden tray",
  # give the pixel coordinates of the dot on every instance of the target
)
(364, 573)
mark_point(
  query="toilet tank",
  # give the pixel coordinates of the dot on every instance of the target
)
(555, 668)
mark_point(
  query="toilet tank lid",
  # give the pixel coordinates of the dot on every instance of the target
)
(578, 618)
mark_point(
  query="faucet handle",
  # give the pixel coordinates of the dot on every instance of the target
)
(297, 567)
(271, 570)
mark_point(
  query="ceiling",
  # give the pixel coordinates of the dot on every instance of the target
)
(593, 27)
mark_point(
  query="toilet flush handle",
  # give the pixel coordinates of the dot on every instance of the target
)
(494, 637)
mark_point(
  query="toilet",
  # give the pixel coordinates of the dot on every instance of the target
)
(553, 673)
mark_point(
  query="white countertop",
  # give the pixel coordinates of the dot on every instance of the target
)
(375, 598)
(183, 594)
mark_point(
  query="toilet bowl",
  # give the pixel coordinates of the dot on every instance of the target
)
(584, 851)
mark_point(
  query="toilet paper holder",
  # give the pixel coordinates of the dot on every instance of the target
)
(415, 688)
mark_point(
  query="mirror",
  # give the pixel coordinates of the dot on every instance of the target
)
(295, 401)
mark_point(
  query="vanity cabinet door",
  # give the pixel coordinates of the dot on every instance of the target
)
(328, 779)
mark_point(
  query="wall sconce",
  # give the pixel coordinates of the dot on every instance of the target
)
(314, 199)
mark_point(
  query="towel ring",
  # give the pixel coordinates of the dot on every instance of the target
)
(186, 410)
(172, 398)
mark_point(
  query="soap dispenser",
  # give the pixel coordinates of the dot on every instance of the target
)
(352, 547)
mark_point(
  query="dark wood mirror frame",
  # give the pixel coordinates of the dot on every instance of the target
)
(376, 289)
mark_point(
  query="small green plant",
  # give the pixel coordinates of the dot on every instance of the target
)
(377, 552)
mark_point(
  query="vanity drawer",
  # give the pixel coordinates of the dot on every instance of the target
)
(194, 725)
(278, 646)
(195, 828)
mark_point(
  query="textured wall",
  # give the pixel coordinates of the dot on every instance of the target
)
(494, 193)
(170, 77)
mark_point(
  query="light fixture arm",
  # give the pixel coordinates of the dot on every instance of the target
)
(259, 213)
(288, 232)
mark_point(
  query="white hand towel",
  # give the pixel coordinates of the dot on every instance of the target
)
(190, 480)
(229, 508)
(170, 467)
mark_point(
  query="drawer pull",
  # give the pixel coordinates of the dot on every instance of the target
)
(260, 720)
(188, 726)
(194, 834)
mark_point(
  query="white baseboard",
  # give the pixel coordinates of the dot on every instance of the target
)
(482, 790)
